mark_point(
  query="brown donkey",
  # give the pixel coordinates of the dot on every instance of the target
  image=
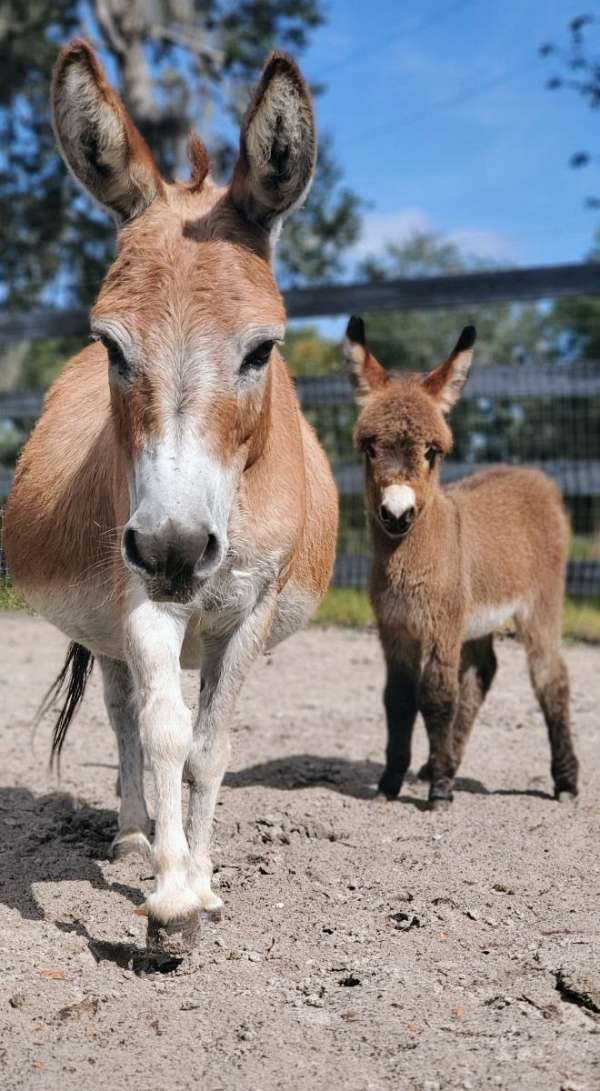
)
(172, 507)
(452, 564)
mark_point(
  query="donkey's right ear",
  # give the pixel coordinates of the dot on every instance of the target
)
(366, 372)
(98, 140)
(278, 146)
(446, 382)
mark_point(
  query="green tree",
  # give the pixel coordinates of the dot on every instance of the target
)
(577, 321)
(180, 64)
(415, 340)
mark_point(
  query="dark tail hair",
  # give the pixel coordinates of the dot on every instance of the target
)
(71, 682)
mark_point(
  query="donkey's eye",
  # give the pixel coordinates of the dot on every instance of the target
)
(431, 454)
(258, 358)
(116, 358)
(370, 449)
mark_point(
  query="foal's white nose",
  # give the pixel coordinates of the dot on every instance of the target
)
(397, 499)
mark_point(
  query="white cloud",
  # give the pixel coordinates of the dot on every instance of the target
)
(482, 243)
(381, 228)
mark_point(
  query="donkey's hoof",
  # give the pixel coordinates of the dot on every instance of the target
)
(176, 937)
(439, 805)
(565, 796)
(389, 786)
(425, 772)
(127, 844)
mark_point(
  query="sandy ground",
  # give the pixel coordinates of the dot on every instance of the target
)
(364, 945)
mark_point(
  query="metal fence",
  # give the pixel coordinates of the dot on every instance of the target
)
(545, 416)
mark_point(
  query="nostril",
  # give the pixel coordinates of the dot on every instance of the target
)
(132, 552)
(409, 515)
(211, 549)
(209, 555)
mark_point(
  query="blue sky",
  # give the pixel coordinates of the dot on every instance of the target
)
(441, 120)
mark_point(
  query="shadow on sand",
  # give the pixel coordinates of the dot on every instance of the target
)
(47, 839)
(357, 779)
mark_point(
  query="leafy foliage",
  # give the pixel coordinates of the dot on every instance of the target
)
(179, 64)
(579, 64)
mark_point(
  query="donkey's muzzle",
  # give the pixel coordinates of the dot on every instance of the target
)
(396, 525)
(173, 561)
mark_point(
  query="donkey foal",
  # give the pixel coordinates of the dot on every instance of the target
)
(452, 564)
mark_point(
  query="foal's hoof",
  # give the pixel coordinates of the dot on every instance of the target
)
(565, 796)
(176, 937)
(439, 805)
(389, 787)
(129, 844)
(425, 772)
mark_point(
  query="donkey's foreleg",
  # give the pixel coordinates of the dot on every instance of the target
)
(119, 697)
(438, 701)
(400, 700)
(153, 644)
(223, 672)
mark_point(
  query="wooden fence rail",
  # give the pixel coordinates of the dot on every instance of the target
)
(323, 300)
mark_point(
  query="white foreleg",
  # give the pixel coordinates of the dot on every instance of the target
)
(153, 639)
(224, 671)
(119, 697)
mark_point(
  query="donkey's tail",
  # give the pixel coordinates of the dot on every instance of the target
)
(70, 685)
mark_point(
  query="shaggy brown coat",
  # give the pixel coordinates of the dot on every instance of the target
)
(451, 567)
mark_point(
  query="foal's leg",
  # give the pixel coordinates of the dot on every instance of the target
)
(438, 702)
(154, 637)
(223, 671)
(400, 700)
(540, 632)
(478, 666)
(119, 697)
(477, 670)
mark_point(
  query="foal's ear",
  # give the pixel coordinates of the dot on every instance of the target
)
(98, 140)
(446, 382)
(366, 372)
(278, 146)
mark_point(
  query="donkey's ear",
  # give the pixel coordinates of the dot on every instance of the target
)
(278, 145)
(446, 382)
(99, 142)
(366, 372)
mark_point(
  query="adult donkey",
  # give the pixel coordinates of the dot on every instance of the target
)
(172, 507)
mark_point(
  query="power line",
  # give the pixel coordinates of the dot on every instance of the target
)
(443, 104)
(408, 30)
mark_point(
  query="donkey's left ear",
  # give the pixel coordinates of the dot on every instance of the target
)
(366, 372)
(98, 140)
(446, 382)
(278, 146)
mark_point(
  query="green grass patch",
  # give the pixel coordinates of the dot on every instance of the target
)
(582, 620)
(345, 606)
(10, 598)
(350, 606)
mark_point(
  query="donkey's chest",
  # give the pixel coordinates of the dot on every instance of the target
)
(223, 606)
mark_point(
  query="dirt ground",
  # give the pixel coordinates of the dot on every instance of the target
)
(364, 946)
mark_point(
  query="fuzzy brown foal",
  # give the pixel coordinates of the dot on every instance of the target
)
(452, 564)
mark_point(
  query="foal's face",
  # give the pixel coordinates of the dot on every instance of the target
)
(403, 437)
(189, 313)
(402, 430)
